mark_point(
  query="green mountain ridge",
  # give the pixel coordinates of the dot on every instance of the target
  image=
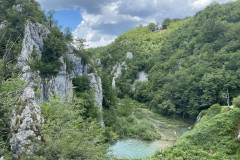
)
(199, 55)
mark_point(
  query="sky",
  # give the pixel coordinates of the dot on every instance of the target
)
(102, 21)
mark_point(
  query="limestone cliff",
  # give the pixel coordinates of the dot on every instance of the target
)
(26, 120)
(117, 71)
(26, 124)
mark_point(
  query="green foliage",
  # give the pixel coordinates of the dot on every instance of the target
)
(212, 30)
(67, 135)
(10, 85)
(166, 23)
(81, 83)
(191, 65)
(122, 121)
(236, 102)
(212, 138)
(82, 90)
(109, 94)
(152, 27)
(54, 47)
(68, 34)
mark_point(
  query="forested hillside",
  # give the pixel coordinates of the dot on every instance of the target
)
(191, 63)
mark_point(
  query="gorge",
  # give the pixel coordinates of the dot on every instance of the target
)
(168, 91)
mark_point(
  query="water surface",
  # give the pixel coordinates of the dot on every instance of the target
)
(133, 148)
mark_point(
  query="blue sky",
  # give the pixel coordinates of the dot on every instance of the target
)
(69, 18)
(102, 21)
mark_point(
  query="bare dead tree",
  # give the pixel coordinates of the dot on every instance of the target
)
(6, 61)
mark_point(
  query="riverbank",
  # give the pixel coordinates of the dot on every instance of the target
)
(170, 130)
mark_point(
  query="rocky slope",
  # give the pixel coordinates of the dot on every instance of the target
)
(27, 122)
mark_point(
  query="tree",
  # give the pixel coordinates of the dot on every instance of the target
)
(236, 102)
(68, 34)
(152, 27)
(67, 135)
(50, 18)
(166, 23)
(211, 30)
(79, 44)
(11, 89)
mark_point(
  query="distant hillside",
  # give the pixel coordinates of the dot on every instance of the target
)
(191, 63)
(214, 137)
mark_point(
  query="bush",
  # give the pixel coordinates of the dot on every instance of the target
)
(236, 102)
(81, 83)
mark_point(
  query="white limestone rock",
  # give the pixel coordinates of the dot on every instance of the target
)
(34, 35)
(18, 8)
(142, 77)
(117, 71)
(129, 55)
(78, 68)
(96, 85)
(26, 124)
(198, 119)
(3, 24)
(98, 61)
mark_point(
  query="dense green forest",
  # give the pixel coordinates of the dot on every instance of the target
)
(192, 65)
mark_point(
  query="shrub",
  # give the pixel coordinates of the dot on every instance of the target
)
(236, 102)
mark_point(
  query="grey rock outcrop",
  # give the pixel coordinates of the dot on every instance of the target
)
(60, 85)
(198, 119)
(239, 134)
(96, 85)
(129, 55)
(34, 35)
(142, 77)
(3, 24)
(117, 71)
(26, 124)
(26, 121)
(18, 8)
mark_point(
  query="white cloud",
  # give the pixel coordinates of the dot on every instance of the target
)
(94, 38)
(104, 20)
(199, 4)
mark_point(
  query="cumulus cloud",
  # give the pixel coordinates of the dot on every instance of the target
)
(104, 20)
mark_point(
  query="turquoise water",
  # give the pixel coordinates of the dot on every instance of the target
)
(133, 148)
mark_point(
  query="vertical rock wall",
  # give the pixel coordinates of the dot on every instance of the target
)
(26, 124)
(26, 121)
(96, 85)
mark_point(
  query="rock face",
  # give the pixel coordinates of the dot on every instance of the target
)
(18, 8)
(117, 71)
(239, 134)
(3, 24)
(26, 124)
(142, 77)
(129, 55)
(198, 119)
(34, 35)
(96, 85)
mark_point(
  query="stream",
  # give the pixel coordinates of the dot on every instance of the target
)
(169, 129)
